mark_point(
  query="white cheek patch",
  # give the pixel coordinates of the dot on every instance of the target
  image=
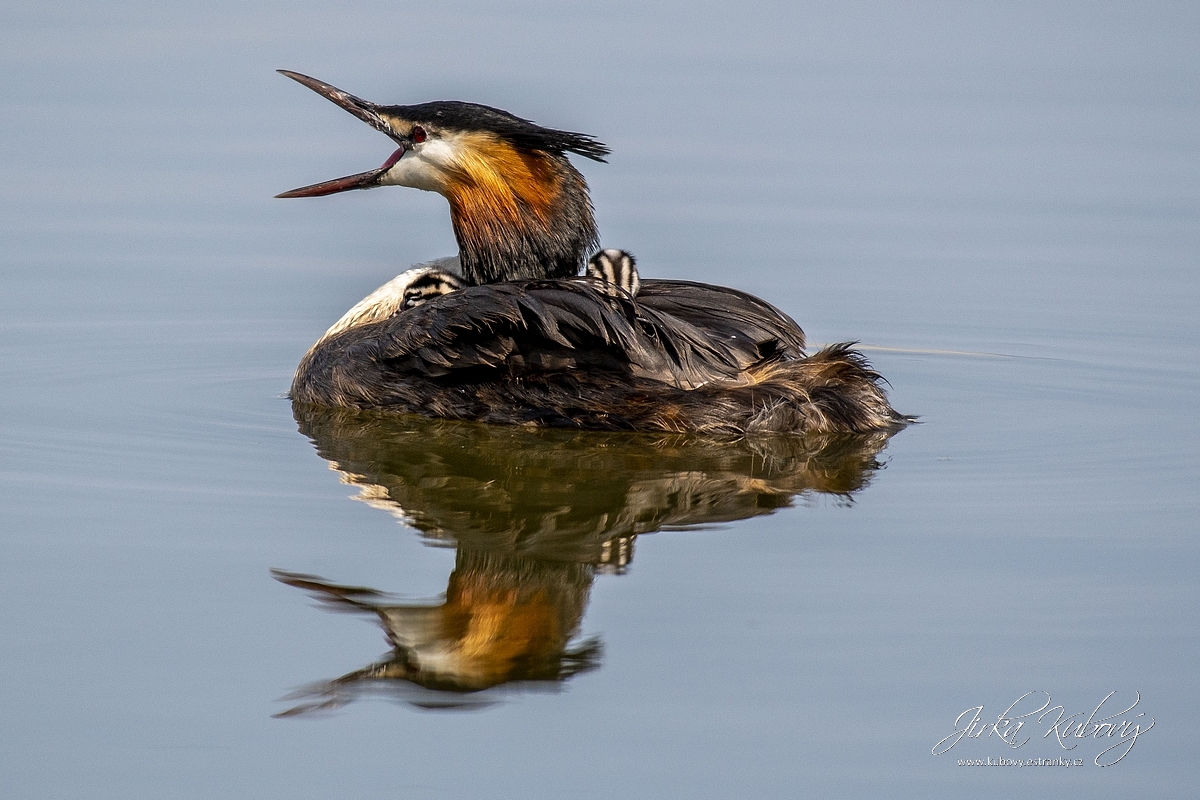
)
(424, 167)
(414, 171)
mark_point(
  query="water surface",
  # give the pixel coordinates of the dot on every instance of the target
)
(1001, 204)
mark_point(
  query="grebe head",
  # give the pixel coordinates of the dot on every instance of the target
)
(616, 267)
(409, 289)
(519, 208)
(428, 284)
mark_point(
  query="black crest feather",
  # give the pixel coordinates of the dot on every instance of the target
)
(459, 116)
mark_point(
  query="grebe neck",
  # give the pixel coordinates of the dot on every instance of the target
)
(521, 214)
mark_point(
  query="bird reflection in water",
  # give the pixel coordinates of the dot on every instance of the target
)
(534, 514)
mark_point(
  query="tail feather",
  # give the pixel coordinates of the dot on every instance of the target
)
(834, 390)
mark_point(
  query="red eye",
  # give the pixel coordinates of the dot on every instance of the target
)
(418, 134)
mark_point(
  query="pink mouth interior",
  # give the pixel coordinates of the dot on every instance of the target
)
(392, 159)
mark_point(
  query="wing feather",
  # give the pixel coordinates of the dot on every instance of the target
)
(677, 333)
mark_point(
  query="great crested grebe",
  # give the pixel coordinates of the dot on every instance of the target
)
(524, 340)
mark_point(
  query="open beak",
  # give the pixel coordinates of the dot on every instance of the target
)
(365, 111)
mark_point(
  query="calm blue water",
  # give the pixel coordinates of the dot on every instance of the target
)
(1001, 203)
